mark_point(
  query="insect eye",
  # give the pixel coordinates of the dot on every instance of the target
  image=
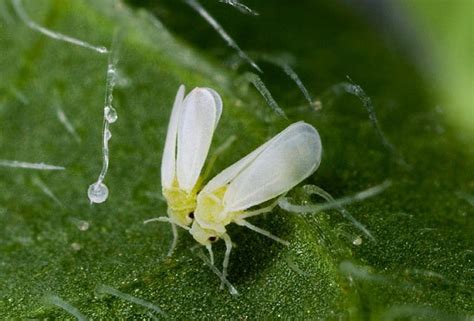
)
(212, 238)
(191, 215)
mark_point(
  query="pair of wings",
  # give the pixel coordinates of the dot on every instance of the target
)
(190, 130)
(271, 170)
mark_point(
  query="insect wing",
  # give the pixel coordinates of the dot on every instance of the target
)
(289, 158)
(219, 104)
(232, 171)
(168, 163)
(195, 130)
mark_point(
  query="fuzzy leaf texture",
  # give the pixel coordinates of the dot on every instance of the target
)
(63, 258)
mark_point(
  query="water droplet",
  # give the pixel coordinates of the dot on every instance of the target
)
(108, 134)
(102, 50)
(81, 224)
(317, 105)
(76, 246)
(122, 81)
(98, 193)
(357, 241)
(110, 114)
(111, 71)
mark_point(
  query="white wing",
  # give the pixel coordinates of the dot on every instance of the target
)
(232, 171)
(196, 126)
(218, 101)
(290, 157)
(168, 162)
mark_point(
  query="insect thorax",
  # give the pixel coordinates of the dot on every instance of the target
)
(180, 203)
(210, 211)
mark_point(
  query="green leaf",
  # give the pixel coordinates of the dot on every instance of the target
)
(62, 254)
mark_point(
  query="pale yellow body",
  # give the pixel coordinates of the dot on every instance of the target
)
(181, 204)
(211, 218)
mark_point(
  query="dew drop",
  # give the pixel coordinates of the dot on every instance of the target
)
(98, 193)
(357, 241)
(81, 224)
(108, 134)
(76, 246)
(122, 81)
(111, 71)
(110, 114)
(102, 50)
(317, 105)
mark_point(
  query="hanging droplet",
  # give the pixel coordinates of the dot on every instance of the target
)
(98, 193)
(111, 71)
(110, 114)
(102, 50)
(108, 134)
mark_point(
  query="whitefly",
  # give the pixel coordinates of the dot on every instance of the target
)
(233, 196)
(193, 120)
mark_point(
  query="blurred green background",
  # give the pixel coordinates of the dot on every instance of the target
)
(446, 29)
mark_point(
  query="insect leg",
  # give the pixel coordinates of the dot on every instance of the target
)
(167, 220)
(211, 254)
(175, 239)
(261, 231)
(232, 290)
(262, 210)
(173, 229)
(225, 263)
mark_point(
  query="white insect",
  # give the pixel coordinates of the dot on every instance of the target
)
(190, 130)
(268, 172)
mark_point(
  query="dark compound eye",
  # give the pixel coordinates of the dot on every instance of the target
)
(212, 238)
(191, 215)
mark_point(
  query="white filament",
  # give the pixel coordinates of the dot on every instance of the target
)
(232, 289)
(52, 34)
(60, 303)
(98, 192)
(240, 6)
(45, 189)
(104, 289)
(213, 22)
(67, 124)
(263, 90)
(287, 69)
(370, 192)
(38, 166)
